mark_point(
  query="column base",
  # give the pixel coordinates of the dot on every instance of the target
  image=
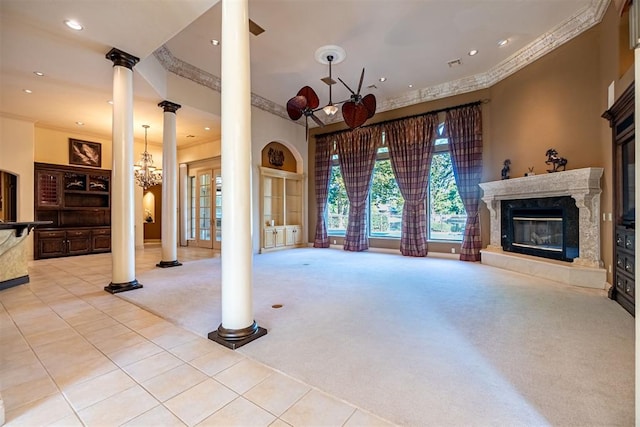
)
(115, 288)
(167, 264)
(236, 338)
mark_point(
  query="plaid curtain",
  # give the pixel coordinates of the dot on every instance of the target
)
(323, 174)
(357, 155)
(464, 130)
(410, 144)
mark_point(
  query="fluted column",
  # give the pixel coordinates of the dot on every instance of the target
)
(238, 326)
(169, 227)
(122, 201)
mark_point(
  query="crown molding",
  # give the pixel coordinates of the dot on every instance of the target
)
(590, 15)
(203, 78)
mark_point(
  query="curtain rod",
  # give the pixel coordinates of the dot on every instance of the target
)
(440, 110)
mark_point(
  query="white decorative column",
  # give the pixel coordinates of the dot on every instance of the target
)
(169, 228)
(122, 191)
(238, 326)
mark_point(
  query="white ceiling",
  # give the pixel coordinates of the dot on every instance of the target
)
(406, 41)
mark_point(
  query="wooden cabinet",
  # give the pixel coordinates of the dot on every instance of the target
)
(621, 119)
(77, 201)
(281, 209)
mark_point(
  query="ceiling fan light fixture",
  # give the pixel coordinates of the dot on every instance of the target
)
(330, 110)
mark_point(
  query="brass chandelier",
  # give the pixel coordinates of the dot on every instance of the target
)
(145, 173)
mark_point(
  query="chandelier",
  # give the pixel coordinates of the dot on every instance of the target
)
(145, 173)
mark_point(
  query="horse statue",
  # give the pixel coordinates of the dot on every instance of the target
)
(557, 162)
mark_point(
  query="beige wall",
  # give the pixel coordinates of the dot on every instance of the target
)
(555, 102)
(16, 156)
(52, 146)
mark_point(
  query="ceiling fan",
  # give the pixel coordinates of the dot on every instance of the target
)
(305, 103)
(356, 110)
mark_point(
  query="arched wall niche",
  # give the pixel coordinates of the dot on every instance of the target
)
(278, 155)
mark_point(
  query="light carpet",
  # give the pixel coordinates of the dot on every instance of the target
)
(423, 341)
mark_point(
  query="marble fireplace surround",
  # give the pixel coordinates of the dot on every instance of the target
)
(583, 185)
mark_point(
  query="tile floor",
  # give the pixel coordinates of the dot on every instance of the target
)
(72, 354)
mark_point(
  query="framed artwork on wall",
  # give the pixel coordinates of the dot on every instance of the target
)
(85, 153)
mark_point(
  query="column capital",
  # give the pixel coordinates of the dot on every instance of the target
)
(122, 58)
(169, 107)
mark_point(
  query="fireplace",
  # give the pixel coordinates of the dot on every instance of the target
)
(545, 227)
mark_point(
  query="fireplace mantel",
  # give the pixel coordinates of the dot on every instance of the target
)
(583, 185)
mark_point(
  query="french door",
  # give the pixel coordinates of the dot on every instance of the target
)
(217, 225)
(204, 222)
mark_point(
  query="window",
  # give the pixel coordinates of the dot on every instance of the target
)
(447, 217)
(385, 199)
(338, 202)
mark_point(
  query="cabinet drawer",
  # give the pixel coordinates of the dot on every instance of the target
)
(78, 233)
(51, 234)
(103, 232)
(625, 262)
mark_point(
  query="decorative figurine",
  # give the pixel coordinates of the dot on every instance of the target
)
(530, 173)
(557, 162)
(505, 169)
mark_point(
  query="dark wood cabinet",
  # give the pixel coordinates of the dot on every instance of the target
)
(621, 117)
(77, 201)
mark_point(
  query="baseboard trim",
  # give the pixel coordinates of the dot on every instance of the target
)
(6, 284)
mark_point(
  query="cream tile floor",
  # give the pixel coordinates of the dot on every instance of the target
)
(72, 354)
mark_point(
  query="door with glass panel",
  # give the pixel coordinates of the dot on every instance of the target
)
(204, 210)
(217, 224)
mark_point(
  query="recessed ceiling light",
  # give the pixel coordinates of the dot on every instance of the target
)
(74, 25)
(410, 86)
(503, 42)
(215, 42)
(382, 79)
(38, 73)
(80, 123)
(110, 102)
(27, 90)
(207, 128)
(473, 52)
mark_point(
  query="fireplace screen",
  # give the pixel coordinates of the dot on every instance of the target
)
(542, 233)
(545, 227)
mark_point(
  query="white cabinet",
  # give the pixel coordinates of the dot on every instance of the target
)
(274, 237)
(293, 235)
(281, 210)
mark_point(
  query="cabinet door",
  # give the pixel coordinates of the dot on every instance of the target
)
(279, 236)
(50, 244)
(78, 242)
(101, 240)
(269, 237)
(48, 189)
(290, 236)
(298, 236)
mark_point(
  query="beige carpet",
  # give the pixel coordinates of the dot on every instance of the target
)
(424, 341)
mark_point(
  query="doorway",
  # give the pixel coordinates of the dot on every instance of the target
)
(8, 197)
